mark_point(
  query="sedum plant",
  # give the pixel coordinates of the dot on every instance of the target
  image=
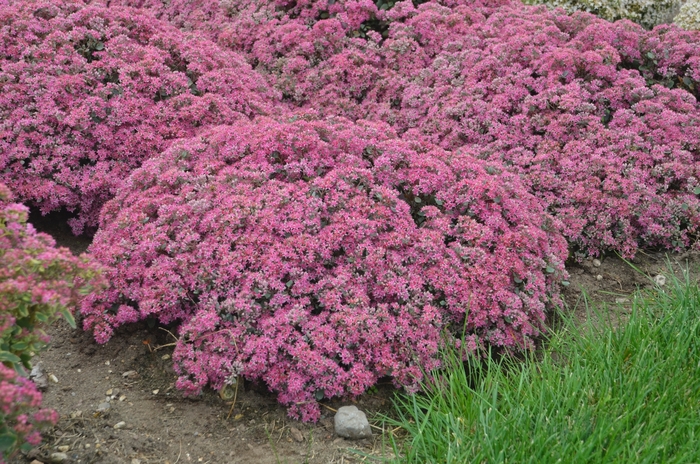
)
(38, 284)
(317, 256)
(90, 92)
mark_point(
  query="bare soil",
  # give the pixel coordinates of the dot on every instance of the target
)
(156, 424)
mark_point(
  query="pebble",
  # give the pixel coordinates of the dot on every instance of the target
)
(660, 280)
(296, 434)
(63, 448)
(76, 414)
(38, 376)
(53, 378)
(36, 462)
(103, 407)
(135, 461)
(130, 374)
(58, 457)
(350, 422)
(120, 425)
(622, 300)
(599, 277)
(596, 263)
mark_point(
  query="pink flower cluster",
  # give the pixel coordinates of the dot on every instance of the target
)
(18, 396)
(88, 93)
(37, 284)
(318, 256)
(600, 119)
(316, 189)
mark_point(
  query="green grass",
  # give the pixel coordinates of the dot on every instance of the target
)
(600, 392)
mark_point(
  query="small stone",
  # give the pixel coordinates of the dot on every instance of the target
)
(350, 422)
(596, 263)
(660, 280)
(622, 300)
(53, 378)
(599, 277)
(106, 363)
(36, 462)
(296, 434)
(135, 461)
(130, 374)
(103, 407)
(165, 357)
(120, 425)
(63, 448)
(59, 457)
(38, 376)
(109, 392)
(122, 398)
(155, 392)
(76, 414)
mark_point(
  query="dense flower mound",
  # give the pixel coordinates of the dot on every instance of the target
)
(317, 256)
(89, 92)
(37, 284)
(600, 119)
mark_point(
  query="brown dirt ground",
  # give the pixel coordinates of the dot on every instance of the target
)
(161, 426)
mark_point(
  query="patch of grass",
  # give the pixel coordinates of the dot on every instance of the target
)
(602, 391)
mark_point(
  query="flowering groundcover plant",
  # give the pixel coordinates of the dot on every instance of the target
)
(315, 253)
(90, 92)
(38, 283)
(317, 256)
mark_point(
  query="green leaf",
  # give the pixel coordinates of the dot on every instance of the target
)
(289, 283)
(696, 191)
(549, 270)
(651, 55)
(6, 356)
(19, 346)
(319, 395)
(7, 441)
(565, 283)
(99, 46)
(68, 317)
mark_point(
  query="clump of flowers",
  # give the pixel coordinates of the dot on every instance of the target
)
(317, 256)
(89, 92)
(599, 119)
(38, 283)
(19, 427)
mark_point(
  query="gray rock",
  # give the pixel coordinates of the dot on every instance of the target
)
(38, 376)
(103, 407)
(350, 422)
(660, 280)
(59, 457)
